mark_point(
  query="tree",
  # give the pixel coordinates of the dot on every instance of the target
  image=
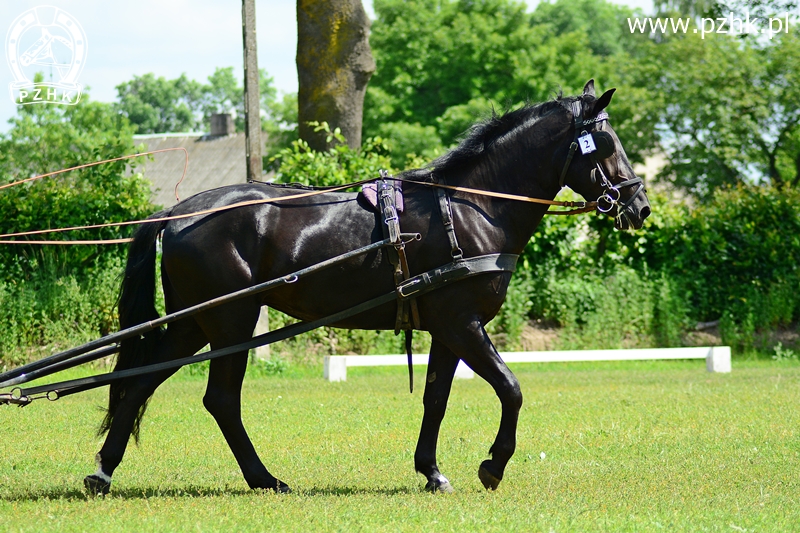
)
(443, 64)
(158, 105)
(334, 65)
(732, 110)
(723, 8)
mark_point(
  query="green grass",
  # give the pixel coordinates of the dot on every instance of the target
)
(659, 446)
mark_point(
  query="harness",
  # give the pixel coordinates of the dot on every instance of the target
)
(598, 145)
(408, 288)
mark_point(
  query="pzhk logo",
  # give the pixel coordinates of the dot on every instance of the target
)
(50, 41)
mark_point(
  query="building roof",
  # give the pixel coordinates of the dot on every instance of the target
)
(214, 161)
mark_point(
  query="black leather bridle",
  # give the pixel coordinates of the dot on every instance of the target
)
(598, 145)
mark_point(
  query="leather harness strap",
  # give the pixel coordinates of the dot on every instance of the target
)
(397, 252)
(446, 211)
(409, 288)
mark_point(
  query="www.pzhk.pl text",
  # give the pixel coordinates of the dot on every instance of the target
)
(731, 24)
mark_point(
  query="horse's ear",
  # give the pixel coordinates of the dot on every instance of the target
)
(588, 89)
(603, 101)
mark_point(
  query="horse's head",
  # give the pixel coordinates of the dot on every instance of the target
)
(596, 166)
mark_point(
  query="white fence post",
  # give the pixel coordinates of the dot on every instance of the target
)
(719, 359)
(463, 371)
(335, 368)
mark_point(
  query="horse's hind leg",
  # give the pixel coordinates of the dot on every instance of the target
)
(441, 369)
(223, 399)
(472, 344)
(182, 339)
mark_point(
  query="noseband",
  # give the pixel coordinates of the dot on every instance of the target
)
(598, 145)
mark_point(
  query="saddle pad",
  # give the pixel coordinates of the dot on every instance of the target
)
(370, 193)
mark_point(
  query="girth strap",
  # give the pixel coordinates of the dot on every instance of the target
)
(462, 268)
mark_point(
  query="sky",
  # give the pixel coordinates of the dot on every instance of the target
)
(171, 37)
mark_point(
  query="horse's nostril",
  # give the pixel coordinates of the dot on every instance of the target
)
(645, 212)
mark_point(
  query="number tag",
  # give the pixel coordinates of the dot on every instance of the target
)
(586, 143)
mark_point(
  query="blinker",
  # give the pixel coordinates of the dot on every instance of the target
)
(604, 144)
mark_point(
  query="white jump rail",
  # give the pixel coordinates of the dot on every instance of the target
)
(718, 359)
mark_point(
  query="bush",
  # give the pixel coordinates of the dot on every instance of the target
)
(737, 256)
(49, 312)
(338, 165)
(47, 138)
(735, 259)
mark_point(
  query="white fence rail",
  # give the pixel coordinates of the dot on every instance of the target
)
(718, 359)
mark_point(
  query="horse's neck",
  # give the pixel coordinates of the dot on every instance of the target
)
(516, 169)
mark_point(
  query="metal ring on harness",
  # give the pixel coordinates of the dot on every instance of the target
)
(609, 198)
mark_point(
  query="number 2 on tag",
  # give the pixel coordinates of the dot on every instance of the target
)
(586, 142)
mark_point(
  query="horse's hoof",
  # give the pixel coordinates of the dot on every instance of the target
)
(96, 486)
(489, 479)
(282, 488)
(439, 486)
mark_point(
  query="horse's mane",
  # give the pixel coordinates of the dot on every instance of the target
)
(485, 133)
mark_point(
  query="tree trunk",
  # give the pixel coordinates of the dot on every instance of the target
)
(334, 65)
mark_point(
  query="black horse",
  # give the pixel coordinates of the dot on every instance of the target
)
(529, 151)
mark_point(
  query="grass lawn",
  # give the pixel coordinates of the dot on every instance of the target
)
(634, 446)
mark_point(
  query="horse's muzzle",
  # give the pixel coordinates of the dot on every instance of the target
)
(628, 218)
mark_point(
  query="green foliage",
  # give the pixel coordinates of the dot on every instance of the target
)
(620, 315)
(157, 105)
(783, 354)
(273, 366)
(338, 165)
(670, 312)
(49, 311)
(603, 23)
(48, 138)
(739, 252)
(735, 258)
(732, 110)
(446, 63)
(506, 328)
(410, 142)
(280, 123)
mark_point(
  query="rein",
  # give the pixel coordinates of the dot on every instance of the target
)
(582, 207)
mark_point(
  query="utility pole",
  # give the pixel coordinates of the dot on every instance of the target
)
(252, 99)
(252, 126)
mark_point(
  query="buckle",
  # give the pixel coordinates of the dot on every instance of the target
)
(415, 283)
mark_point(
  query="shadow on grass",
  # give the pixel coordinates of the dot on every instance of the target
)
(139, 493)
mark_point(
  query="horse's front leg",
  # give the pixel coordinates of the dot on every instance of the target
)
(476, 349)
(441, 368)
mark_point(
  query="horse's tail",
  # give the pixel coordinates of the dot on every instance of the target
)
(136, 305)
